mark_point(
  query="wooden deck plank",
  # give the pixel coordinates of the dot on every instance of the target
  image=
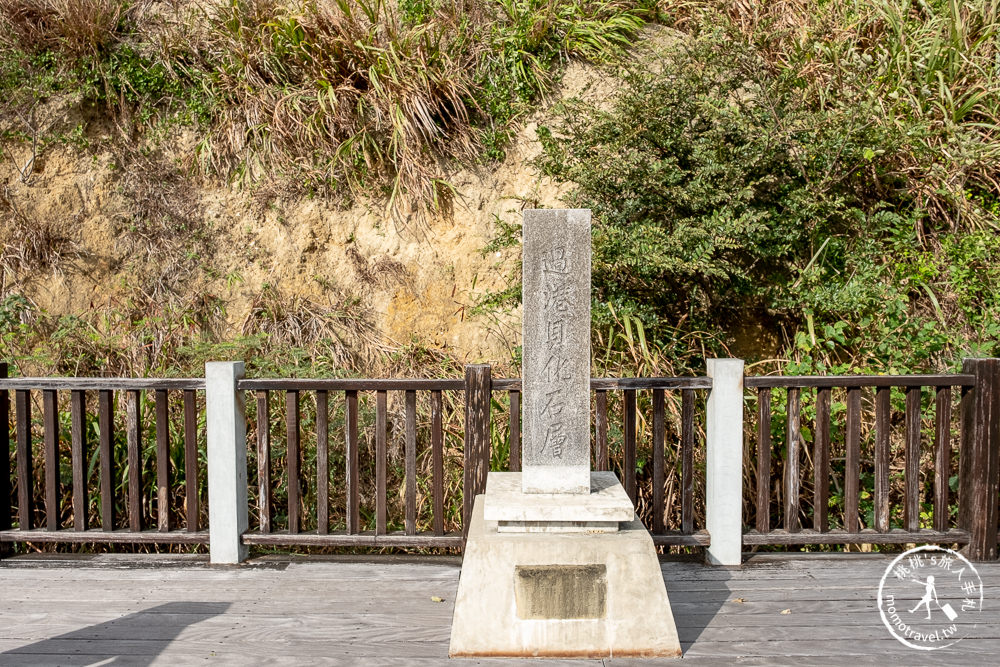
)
(341, 610)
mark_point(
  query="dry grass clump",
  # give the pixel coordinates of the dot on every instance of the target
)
(75, 27)
(344, 90)
(29, 245)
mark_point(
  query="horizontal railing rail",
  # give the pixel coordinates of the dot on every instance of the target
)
(71, 523)
(844, 381)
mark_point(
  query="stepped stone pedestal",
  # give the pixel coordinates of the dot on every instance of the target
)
(556, 563)
(569, 592)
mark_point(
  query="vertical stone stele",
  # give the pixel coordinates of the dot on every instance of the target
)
(555, 344)
(556, 563)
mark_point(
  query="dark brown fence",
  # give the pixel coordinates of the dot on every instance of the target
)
(362, 516)
(350, 528)
(122, 514)
(976, 392)
(829, 460)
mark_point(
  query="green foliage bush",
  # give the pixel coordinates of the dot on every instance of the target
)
(725, 193)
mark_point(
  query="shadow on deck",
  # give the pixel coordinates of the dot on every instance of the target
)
(776, 609)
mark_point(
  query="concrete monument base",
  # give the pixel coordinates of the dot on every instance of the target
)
(561, 594)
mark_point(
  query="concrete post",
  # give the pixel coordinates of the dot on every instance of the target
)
(227, 462)
(724, 462)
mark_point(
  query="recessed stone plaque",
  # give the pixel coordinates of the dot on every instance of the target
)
(561, 591)
(556, 351)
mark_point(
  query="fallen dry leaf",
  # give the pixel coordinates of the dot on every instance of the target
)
(435, 598)
(786, 611)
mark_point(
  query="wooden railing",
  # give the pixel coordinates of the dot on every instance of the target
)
(71, 523)
(353, 533)
(477, 388)
(625, 461)
(645, 429)
(976, 392)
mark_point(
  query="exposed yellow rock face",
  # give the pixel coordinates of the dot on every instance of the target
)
(415, 282)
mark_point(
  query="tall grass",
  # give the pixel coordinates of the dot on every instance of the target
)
(931, 67)
(355, 97)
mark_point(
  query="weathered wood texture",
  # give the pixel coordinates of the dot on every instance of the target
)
(792, 461)
(980, 480)
(380, 462)
(437, 459)
(5, 473)
(601, 430)
(353, 474)
(610, 384)
(979, 444)
(100, 384)
(478, 390)
(293, 611)
(293, 458)
(802, 381)
(629, 457)
(50, 451)
(263, 463)
(78, 456)
(162, 462)
(105, 424)
(191, 503)
(763, 460)
(322, 462)
(133, 426)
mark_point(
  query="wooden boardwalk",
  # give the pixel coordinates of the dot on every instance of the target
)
(170, 610)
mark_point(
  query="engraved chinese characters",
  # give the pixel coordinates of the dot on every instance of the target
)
(556, 351)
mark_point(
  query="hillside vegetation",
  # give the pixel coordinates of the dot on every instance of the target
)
(813, 186)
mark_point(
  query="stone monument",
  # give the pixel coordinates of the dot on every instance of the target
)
(556, 563)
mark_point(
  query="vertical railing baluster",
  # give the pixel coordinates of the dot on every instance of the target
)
(515, 431)
(410, 447)
(911, 473)
(322, 463)
(821, 460)
(105, 444)
(792, 461)
(78, 457)
(437, 453)
(191, 505)
(162, 462)
(133, 436)
(22, 409)
(381, 455)
(882, 426)
(601, 429)
(50, 417)
(659, 435)
(476, 457)
(967, 419)
(628, 465)
(687, 461)
(763, 460)
(942, 457)
(351, 439)
(6, 520)
(264, 462)
(293, 458)
(852, 460)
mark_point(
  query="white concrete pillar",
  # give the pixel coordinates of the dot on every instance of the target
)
(227, 461)
(724, 462)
